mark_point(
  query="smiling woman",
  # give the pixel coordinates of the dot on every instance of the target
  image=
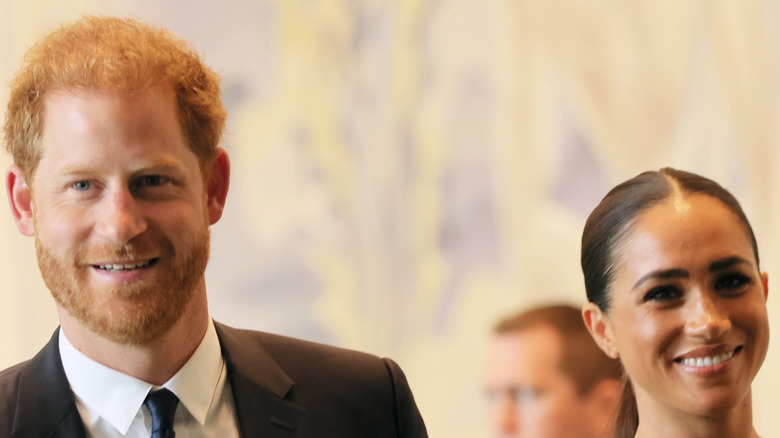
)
(674, 287)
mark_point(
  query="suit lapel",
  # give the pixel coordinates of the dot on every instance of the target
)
(259, 387)
(46, 406)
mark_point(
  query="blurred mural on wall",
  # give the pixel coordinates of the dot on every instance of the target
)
(405, 172)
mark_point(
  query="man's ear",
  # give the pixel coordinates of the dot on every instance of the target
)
(217, 186)
(20, 200)
(599, 329)
(765, 283)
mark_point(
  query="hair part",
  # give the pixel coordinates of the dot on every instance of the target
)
(581, 359)
(112, 54)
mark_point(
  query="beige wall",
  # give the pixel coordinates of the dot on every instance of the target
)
(407, 171)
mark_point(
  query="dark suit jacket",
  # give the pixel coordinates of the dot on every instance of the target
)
(282, 387)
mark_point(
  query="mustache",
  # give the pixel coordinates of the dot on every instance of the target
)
(139, 248)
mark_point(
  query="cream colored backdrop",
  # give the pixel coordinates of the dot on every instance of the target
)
(406, 171)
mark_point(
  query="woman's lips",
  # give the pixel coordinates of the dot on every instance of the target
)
(707, 358)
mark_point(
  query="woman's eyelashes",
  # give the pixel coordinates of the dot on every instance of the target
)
(664, 293)
(732, 282)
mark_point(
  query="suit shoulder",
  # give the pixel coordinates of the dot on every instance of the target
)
(9, 380)
(346, 392)
(287, 350)
(9, 395)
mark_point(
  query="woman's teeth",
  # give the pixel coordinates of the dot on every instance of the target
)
(707, 360)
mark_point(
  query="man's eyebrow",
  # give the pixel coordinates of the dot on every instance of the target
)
(158, 166)
(662, 273)
(162, 165)
(727, 263)
(74, 170)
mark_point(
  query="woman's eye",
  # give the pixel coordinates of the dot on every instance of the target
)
(662, 293)
(81, 185)
(731, 281)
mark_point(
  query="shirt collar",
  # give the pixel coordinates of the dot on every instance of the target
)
(198, 383)
(117, 397)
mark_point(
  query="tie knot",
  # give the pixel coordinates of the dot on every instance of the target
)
(162, 405)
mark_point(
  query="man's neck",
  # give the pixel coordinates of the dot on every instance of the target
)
(154, 362)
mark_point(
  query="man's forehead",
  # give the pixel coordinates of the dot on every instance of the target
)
(542, 337)
(69, 111)
(530, 352)
(78, 121)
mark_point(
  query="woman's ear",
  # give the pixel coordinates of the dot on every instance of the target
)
(20, 200)
(599, 329)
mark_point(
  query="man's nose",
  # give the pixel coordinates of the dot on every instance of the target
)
(120, 217)
(505, 421)
(707, 318)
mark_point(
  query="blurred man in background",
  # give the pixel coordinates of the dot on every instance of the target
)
(546, 378)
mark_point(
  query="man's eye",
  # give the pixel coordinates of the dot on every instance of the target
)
(152, 180)
(528, 394)
(81, 185)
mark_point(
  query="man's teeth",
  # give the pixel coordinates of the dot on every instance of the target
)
(126, 267)
(708, 360)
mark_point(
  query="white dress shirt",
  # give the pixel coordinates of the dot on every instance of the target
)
(111, 403)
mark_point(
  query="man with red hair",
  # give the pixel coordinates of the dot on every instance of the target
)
(114, 128)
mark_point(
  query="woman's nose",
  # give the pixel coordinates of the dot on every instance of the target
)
(707, 318)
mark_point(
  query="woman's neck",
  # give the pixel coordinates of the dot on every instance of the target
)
(660, 419)
(640, 433)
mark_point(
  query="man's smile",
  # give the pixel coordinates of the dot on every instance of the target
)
(116, 267)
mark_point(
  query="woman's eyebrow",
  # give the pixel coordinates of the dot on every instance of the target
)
(727, 263)
(662, 273)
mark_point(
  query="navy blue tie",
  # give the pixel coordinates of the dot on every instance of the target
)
(162, 405)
